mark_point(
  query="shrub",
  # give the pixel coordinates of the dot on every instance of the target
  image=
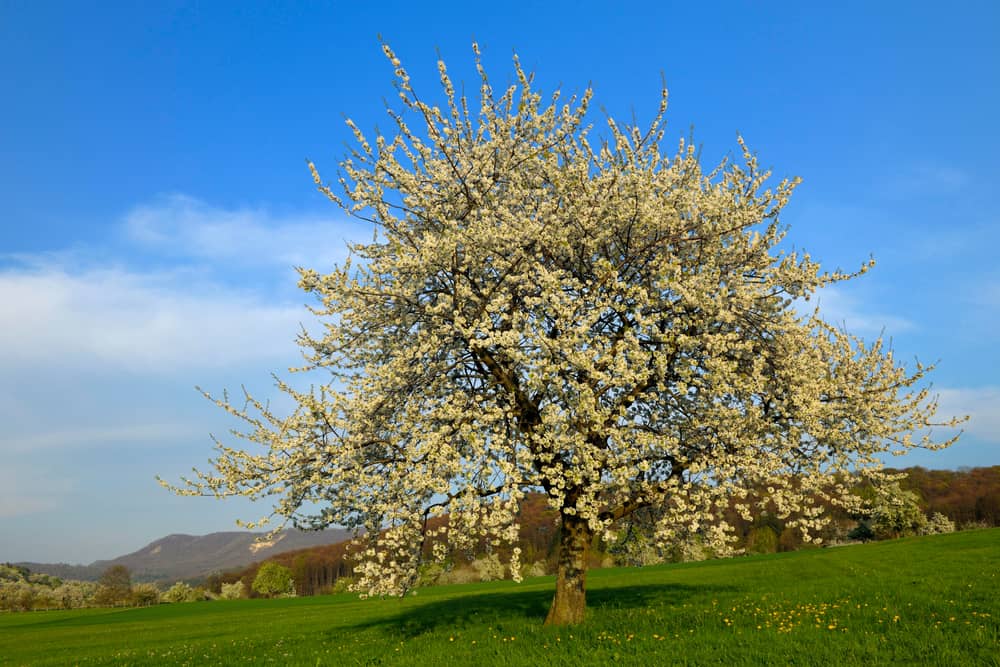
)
(69, 595)
(896, 513)
(459, 575)
(938, 524)
(762, 540)
(180, 592)
(536, 569)
(342, 585)
(430, 573)
(44, 599)
(635, 547)
(862, 532)
(144, 595)
(232, 591)
(489, 568)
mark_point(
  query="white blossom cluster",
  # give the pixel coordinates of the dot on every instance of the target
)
(593, 318)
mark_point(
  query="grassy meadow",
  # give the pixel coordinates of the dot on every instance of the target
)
(928, 600)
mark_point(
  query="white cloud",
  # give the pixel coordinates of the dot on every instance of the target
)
(99, 352)
(982, 404)
(143, 322)
(77, 308)
(182, 225)
(841, 309)
(100, 347)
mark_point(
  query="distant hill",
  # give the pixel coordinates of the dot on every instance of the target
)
(179, 557)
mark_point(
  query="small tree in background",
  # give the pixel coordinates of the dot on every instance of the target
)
(180, 592)
(114, 586)
(489, 568)
(597, 319)
(144, 595)
(273, 579)
(896, 513)
(938, 524)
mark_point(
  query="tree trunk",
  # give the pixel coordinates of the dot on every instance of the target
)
(570, 601)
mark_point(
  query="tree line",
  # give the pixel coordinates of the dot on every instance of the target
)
(964, 498)
(24, 590)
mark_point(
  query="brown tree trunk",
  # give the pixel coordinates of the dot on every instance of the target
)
(570, 601)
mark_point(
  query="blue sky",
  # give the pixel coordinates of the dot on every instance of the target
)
(154, 198)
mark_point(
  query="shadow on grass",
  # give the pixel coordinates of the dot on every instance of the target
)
(457, 613)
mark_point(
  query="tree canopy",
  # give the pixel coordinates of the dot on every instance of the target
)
(273, 579)
(594, 318)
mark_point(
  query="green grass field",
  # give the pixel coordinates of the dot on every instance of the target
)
(930, 600)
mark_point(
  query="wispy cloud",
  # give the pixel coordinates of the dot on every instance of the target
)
(182, 225)
(100, 306)
(100, 347)
(841, 309)
(982, 404)
(145, 322)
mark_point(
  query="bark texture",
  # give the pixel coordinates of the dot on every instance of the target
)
(570, 601)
